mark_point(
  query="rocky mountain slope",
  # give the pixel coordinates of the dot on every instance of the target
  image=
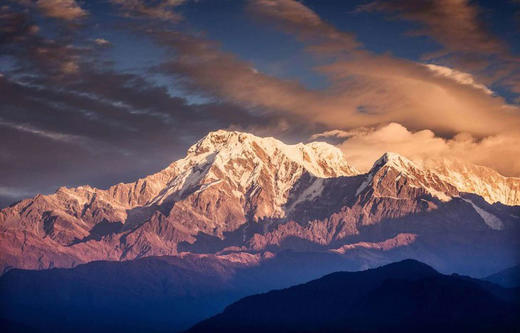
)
(480, 180)
(241, 195)
(226, 179)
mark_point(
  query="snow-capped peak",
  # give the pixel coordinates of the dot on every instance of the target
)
(255, 171)
(394, 160)
(319, 158)
(483, 181)
(217, 140)
(416, 177)
(464, 176)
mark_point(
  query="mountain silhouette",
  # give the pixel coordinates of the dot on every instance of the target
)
(508, 278)
(405, 296)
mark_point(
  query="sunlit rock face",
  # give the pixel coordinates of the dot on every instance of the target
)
(225, 180)
(480, 180)
(238, 194)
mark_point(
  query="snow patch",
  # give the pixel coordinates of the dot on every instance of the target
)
(311, 192)
(364, 184)
(207, 185)
(491, 220)
(483, 181)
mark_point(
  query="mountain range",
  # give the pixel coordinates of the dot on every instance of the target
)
(509, 277)
(406, 296)
(244, 199)
(152, 294)
(172, 294)
(240, 215)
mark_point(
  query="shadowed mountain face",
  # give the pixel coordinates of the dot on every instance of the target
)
(153, 294)
(406, 296)
(169, 294)
(240, 195)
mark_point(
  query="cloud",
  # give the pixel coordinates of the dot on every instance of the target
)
(300, 20)
(102, 42)
(377, 89)
(460, 77)
(364, 146)
(70, 67)
(365, 89)
(467, 41)
(201, 65)
(163, 10)
(15, 193)
(21, 39)
(99, 127)
(92, 124)
(15, 27)
(369, 89)
(453, 23)
(27, 128)
(61, 9)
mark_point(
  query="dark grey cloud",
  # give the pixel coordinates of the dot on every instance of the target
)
(101, 129)
(20, 39)
(68, 118)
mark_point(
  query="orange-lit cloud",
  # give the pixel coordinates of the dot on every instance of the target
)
(381, 89)
(453, 23)
(61, 9)
(365, 89)
(467, 41)
(370, 89)
(427, 99)
(460, 77)
(305, 24)
(365, 145)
